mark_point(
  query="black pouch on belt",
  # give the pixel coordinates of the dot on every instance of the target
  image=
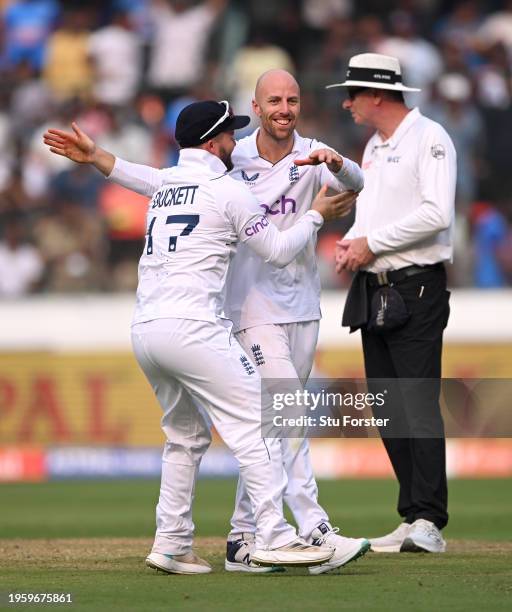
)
(387, 311)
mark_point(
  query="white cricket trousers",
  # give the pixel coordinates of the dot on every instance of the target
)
(284, 351)
(191, 362)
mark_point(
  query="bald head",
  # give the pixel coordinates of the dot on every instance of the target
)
(275, 80)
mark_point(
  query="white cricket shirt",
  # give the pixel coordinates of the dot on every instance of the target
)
(406, 208)
(196, 215)
(258, 293)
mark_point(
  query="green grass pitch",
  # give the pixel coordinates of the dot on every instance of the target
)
(90, 539)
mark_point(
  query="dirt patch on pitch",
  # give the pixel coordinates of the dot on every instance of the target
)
(479, 546)
(78, 552)
(87, 551)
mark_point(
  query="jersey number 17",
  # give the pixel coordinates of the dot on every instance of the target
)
(190, 220)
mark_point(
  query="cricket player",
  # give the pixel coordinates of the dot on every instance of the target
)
(195, 219)
(276, 313)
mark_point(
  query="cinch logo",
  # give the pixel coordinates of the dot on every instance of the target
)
(259, 225)
(280, 207)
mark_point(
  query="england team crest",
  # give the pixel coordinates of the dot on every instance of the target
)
(293, 175)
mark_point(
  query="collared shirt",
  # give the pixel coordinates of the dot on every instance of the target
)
(195, 218)
(406, 208)
(257, 293)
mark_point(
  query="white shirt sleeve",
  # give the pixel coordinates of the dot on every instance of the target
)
(350, 175)
(437, 171)
(261, 235)
(137, 177)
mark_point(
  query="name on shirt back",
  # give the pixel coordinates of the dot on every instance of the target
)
(173, 196)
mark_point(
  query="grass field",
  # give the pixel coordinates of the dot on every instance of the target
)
(90, 539)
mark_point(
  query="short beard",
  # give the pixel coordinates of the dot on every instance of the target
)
(226, 159)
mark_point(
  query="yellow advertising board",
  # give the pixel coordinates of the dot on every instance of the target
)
(76, 399)
(103, 399)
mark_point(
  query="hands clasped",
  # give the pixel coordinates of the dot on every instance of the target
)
(353, 254)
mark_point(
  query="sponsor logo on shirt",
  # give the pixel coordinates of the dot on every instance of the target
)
(293, 175)
(393, 159)
(250, 179)
(259, 225)
(438, 151)
(280, 207)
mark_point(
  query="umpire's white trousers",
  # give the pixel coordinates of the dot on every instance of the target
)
(196, 362)
(284, 351)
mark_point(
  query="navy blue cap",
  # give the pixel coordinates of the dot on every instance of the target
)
(201, 121)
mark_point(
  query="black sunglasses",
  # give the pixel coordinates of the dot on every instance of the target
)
(352, 92)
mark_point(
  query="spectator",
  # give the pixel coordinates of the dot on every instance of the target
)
(79, 184)
(31, 102)
(72, 242)
(493, 79)
(180, 37)
(126, 136)
(318, 14)
(38, 165)
(460, 28)
(21, 266)
(420, 60)
(7, 151)
(27, 25)
(116, 54)
(465, 125)
(497, 28)
(67, 69)
(490, 234)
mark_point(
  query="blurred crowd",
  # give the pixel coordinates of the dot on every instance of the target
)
(123, 69)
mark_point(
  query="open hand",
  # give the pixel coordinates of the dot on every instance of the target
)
(75, 145)
(336, 206)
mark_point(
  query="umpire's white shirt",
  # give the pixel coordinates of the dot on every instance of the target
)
(406, 208)
(258, 293)
(195, 218)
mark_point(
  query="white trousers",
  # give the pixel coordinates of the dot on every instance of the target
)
(195, 363)
(284, 351)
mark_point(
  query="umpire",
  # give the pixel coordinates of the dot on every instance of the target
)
(401, 237)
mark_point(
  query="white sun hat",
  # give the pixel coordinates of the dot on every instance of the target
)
(375, 71)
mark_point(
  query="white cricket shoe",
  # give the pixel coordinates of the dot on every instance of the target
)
(239, 553)
(423, 536)
(296, 553)
(189, 563)
(391, 542)
(345, 549)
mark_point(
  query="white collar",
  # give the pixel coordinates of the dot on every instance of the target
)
(400, 131)
(191, 156)
(253, 147)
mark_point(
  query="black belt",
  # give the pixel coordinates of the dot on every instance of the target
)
(380, 279)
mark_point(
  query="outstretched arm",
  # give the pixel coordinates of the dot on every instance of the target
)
(80, 148)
